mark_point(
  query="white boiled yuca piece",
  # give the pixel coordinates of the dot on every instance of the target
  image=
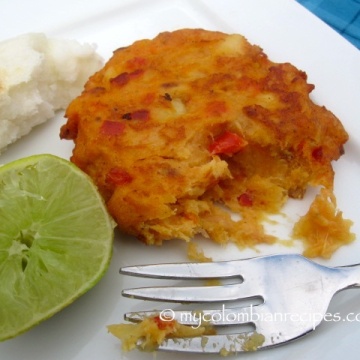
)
(38, 76)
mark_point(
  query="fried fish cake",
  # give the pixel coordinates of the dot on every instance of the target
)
(177, 130)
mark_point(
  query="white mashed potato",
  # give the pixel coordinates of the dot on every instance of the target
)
(38, 76)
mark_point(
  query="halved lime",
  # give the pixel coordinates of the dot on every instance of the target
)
(55, 239)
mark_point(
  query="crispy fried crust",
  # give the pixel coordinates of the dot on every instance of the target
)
(172, 127)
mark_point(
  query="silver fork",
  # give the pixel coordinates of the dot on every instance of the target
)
(295, 294)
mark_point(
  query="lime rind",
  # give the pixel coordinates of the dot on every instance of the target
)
(56, 239)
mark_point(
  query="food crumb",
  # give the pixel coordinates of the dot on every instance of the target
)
(148, 334)
(196, 254)
(323, 228)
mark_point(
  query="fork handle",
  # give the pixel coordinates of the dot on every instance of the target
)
(351, 276)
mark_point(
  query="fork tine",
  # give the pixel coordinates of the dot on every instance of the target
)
(215, 317)
(195, 294)
(218, 344)
(221, 269)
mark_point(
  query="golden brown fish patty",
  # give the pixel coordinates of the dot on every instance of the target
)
(179, 129)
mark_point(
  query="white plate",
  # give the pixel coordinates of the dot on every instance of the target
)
(287, 32)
